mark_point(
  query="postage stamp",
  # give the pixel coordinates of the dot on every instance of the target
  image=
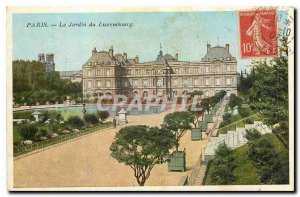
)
(150, 99)
(258, 33)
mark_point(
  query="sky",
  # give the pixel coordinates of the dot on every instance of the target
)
(185, 33)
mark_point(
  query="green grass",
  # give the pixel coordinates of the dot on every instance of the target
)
(245, 171)
(67, 114)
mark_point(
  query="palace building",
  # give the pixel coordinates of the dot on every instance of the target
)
(106, 73)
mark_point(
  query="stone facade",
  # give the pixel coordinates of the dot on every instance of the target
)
(73, 76)
(106, 73)
(48, 62)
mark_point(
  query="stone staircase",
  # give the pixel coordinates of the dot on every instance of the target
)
(233, 139)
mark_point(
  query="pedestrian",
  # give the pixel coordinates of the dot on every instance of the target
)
(114, 123)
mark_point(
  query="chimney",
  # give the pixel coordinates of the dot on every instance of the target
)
(208, 47)
(125, 56)
(136, 59)
(41, 57)
(176, 56)
(227, 47)
(94, 50)
(111, 52)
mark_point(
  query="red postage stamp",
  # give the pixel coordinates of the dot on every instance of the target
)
(258, 33)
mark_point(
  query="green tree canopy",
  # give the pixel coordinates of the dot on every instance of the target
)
(178, 123)
(31, 84)
(222, 166)
(142, 147)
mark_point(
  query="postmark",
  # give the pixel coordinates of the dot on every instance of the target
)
(258, 33)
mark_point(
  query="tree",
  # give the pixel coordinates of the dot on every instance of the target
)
(271, 168)
(178, 123)
(195, 114)
(142, 147)
(268, 89)
(234, 100)
(222, 166)
(103, 115)
(31, 84)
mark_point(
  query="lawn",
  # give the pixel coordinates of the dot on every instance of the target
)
(245, 171)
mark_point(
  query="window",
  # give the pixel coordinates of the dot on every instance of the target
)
(89, 73)
(89, 84)
(98, 73)
(138, 72)
(108, 84)
(186, 71)
(176, 70)
(119, 83)
(145, 83)
(228, 68)
(98, 83)
(148, 71)
(175, 82)
(195, 81)
(185, 82)
(217, 69)
(195, 70)
(107, 72)
(217, 81)
(135, 83)
(206, 81)
(126, 84)
(228, 81)
(206, 69)
(206, 93)
(128, 72)
(159, 82)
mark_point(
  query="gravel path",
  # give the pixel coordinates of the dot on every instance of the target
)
(86, 162)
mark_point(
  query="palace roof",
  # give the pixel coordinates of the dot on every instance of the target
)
(217, 53)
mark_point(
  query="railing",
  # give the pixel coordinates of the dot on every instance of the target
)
(21, 150)
(232, 136)
(222, 104)
(192, 177)
(225, 129)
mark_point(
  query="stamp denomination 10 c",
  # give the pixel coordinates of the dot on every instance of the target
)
(258, 33)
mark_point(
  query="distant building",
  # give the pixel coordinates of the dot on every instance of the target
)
(107, 74)
(74, 76)
(48, 62)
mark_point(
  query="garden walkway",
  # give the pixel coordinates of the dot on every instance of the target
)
(86, 162)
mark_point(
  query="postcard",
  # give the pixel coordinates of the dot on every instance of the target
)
(150, 99)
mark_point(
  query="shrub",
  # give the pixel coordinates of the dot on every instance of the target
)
(28, 131)
(23, 115)
(91, 118)
(53, 115)
(252, 134)
(222, 166)
(43, 131)
(75, 121)
(103, 115)
(235, 101)
(16, 135)
(271, 168)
